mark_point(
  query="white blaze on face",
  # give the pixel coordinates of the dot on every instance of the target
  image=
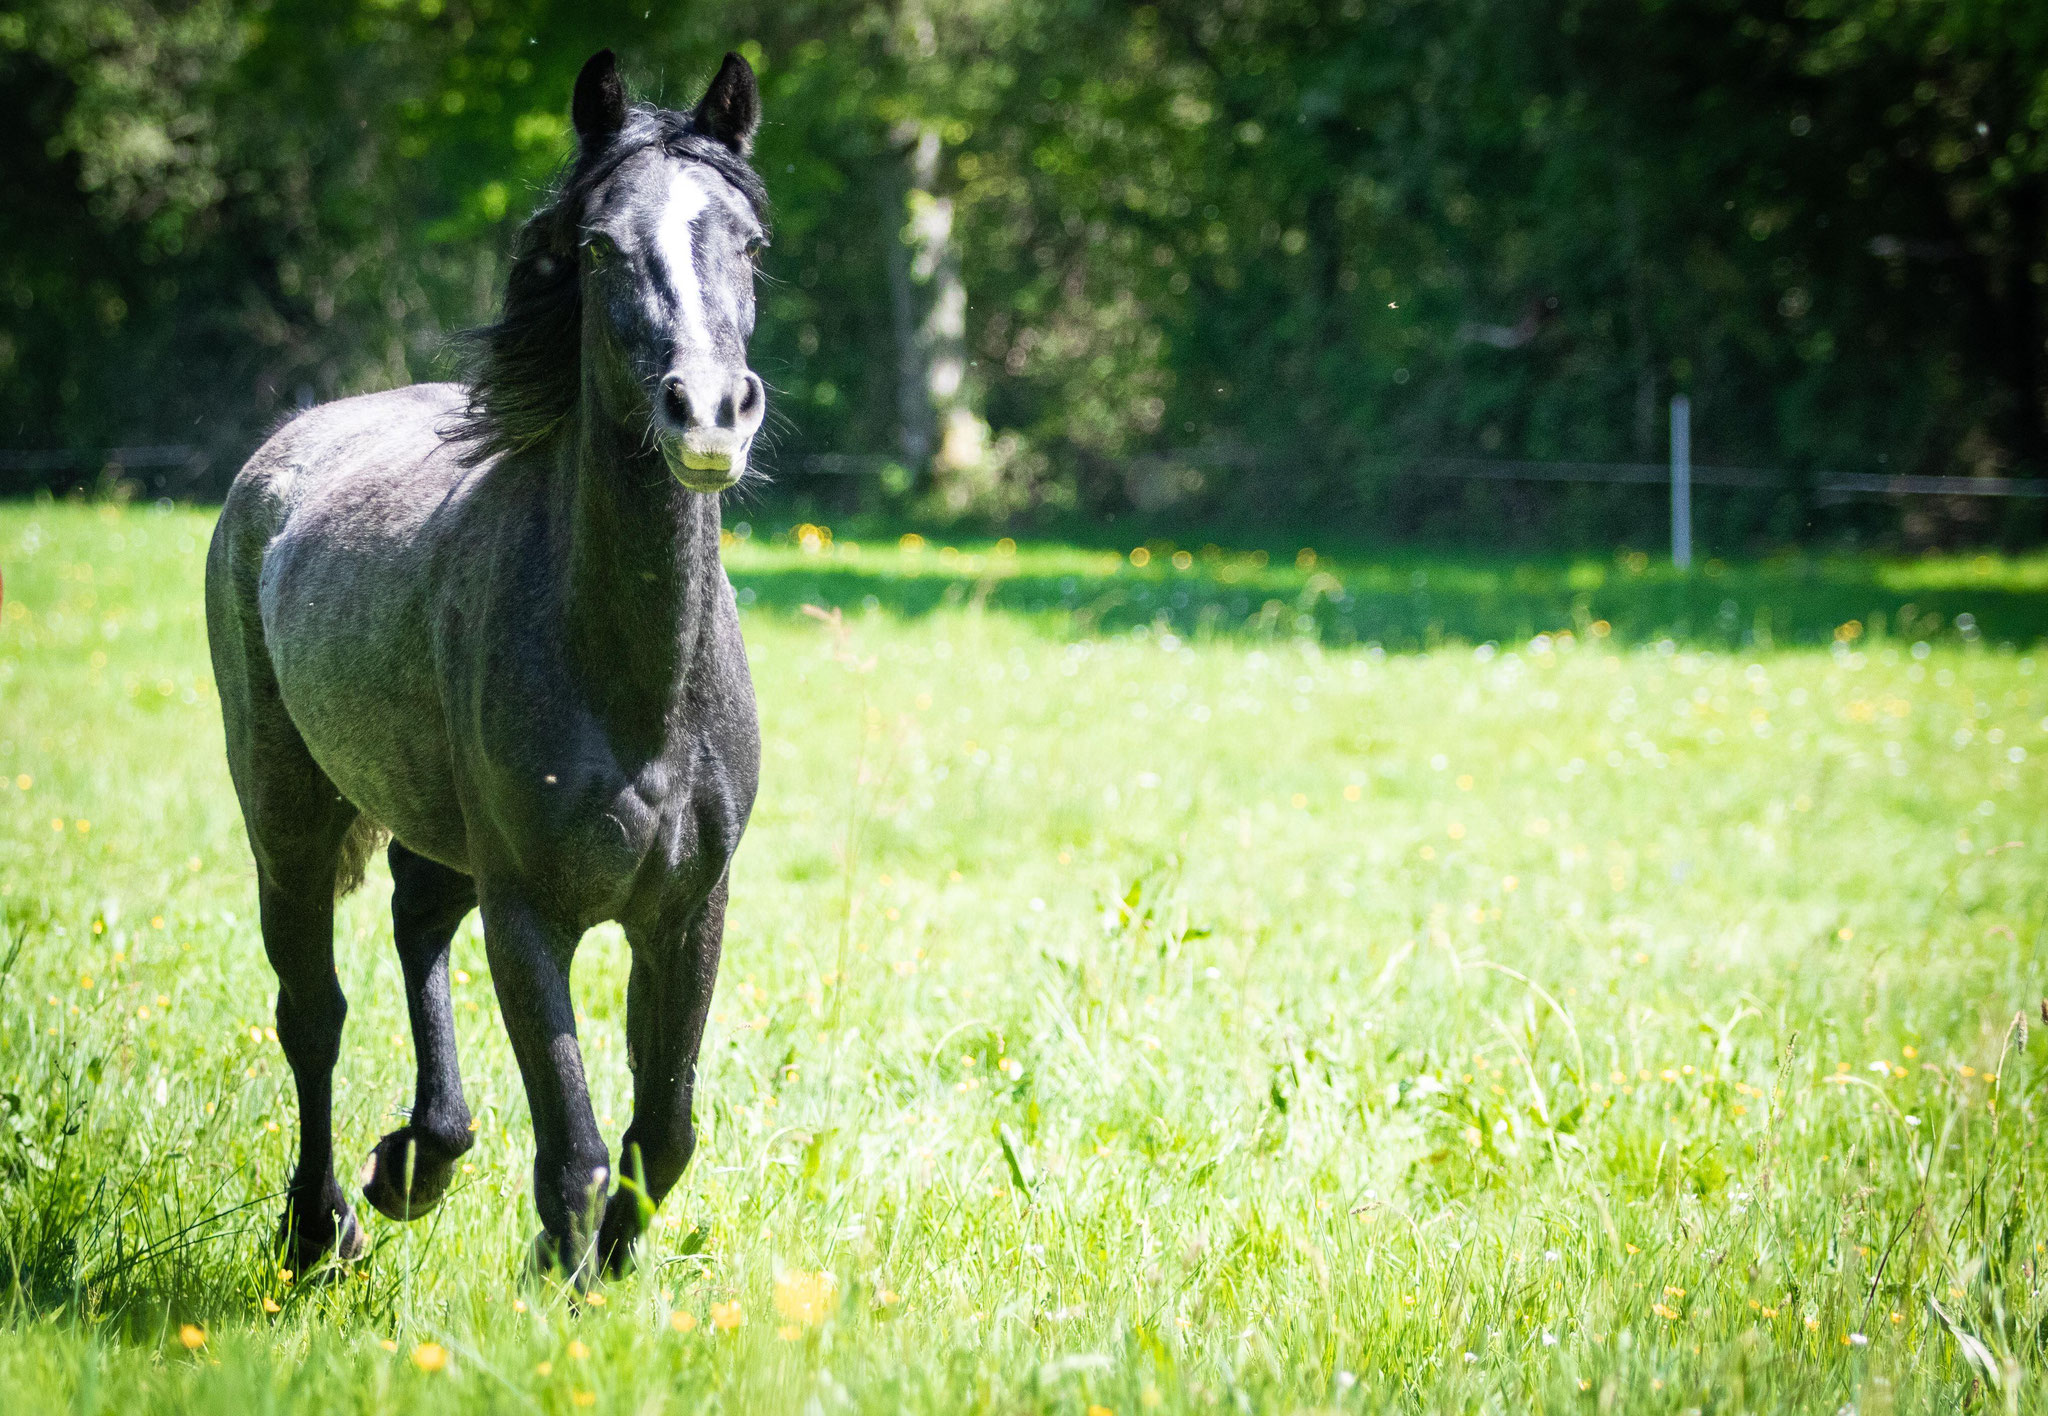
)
(688, 196)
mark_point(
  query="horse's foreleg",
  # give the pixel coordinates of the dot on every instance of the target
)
(674, 970)
(298, 935)
(529, 958)
(408, 1172)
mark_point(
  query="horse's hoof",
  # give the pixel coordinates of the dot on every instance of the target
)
(384, 1177)
(305, 1240)
(561, 1260)
(625, 1217)
(352, 1243)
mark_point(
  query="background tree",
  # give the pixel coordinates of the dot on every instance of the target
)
(1234, 255)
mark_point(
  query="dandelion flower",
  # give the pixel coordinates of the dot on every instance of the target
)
(683, 1321)
(578, 1350)
(430, 1356)
(193, 1336)
(806, 1298)
(727, 1316)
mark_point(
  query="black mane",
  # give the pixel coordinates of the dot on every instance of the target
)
(524, 371)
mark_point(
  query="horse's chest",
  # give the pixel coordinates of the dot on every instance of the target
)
(628, 840)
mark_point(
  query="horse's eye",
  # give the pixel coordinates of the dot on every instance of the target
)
(601, 250)
(756, 245)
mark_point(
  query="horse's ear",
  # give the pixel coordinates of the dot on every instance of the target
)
(599, 106)
(731, 109)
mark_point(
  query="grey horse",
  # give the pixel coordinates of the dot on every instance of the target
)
(489, 621)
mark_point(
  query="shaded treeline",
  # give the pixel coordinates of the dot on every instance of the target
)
(1045, 254)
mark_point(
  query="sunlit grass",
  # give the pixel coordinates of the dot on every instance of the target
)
(1128, 1003)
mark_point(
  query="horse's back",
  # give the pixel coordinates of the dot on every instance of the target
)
(351, 442)
(347, 480)
(319, 582)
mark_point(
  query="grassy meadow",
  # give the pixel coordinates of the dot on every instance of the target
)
(1162, 978)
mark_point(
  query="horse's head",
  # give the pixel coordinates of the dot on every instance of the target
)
(669, 233)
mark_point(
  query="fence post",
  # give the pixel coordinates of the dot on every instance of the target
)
(1681, 481)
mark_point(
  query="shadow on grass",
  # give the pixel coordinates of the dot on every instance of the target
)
(1407, 605)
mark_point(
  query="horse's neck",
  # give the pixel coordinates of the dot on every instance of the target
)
(642, 573)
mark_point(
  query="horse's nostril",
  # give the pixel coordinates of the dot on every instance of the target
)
(750, 395)
(676, 398)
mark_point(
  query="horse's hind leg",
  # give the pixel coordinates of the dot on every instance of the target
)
(296, 893)
(409, 1170)
(297, 825)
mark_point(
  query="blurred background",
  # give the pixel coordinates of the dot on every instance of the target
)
(1392, 267)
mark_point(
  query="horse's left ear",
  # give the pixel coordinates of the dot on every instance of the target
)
(731, 109)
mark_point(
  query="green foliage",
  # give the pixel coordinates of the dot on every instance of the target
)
(1220, 255)
(1117, 1011)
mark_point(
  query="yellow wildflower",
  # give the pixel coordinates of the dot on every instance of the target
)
(806, 1298)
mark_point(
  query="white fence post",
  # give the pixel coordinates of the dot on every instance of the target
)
(1681, 481)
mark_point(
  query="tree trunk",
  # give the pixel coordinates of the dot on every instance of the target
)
(915, 425)
(939, 427)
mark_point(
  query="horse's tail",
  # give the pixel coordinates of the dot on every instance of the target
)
(363, 840)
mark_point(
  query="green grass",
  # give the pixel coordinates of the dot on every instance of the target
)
(1244, 987)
